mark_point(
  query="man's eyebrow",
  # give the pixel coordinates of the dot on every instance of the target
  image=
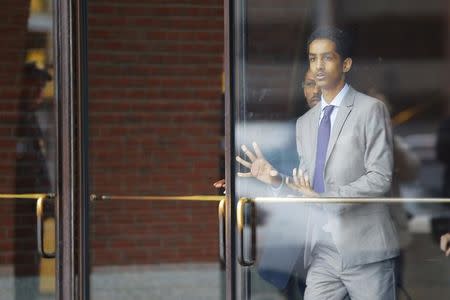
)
(324, 53)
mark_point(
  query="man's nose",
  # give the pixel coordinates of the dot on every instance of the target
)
(320, 64)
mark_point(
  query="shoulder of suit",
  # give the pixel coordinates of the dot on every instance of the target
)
(365, 101)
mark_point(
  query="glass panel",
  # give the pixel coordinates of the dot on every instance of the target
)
(349, 153)
(156, 127)
(27, 147)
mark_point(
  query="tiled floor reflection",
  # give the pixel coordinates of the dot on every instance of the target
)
(427, 270)
(162, 282)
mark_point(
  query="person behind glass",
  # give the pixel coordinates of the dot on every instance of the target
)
(32, 174)
(310, 89)
(345, 150)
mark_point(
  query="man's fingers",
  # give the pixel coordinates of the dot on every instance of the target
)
(307, 183)
(257, 150)
(290, 184)
(249, 153)
(273, 173)
(244, 174)
(301, 178)
(244, 162)
(294, 176)
(288, 181)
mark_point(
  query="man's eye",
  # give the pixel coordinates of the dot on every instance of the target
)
(312, 59)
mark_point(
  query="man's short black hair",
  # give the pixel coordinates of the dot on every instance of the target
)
(341, 39)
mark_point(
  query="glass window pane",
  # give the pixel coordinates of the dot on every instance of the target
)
(399, 149)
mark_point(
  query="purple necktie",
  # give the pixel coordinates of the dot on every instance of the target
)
(323, 136)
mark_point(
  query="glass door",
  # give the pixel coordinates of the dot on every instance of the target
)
(155, 149)
(393, 214)
(29, 160)
(43, 193)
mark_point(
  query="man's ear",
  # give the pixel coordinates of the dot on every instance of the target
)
(347, 64)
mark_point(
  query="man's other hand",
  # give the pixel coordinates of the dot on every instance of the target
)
(220, 184)
(300, 183)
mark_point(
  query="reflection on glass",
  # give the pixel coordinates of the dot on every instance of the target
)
(282, 76)
(35, 168)
(28, 147)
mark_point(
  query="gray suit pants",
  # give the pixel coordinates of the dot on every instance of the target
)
(328, 278)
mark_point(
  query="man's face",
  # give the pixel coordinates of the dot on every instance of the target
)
(326, 64)
(311, 90)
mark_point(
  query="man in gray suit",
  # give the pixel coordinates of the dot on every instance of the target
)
(345, 150)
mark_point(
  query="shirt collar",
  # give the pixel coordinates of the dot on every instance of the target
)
(337, 100)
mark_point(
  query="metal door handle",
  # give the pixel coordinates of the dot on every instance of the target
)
(245, 219)
(40, 216)
(222, 241)
(40, 212)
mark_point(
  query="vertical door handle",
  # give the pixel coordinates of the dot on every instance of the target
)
(40, 217)
(222, 241)
(246, 224)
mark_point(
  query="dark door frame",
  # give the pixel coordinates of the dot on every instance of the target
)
(234, 55)
(71, 209)
(230, 245)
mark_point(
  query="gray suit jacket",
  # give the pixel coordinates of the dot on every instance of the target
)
(359, 164)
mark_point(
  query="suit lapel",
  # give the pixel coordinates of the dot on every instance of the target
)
(344, 110)
(313, 130)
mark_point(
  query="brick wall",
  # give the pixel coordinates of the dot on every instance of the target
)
(14, 15)
(155, 121)
(13, 29)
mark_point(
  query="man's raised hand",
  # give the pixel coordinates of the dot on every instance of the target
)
(259, 167)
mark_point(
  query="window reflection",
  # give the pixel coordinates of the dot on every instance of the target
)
(34, 164)
(28, 146)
